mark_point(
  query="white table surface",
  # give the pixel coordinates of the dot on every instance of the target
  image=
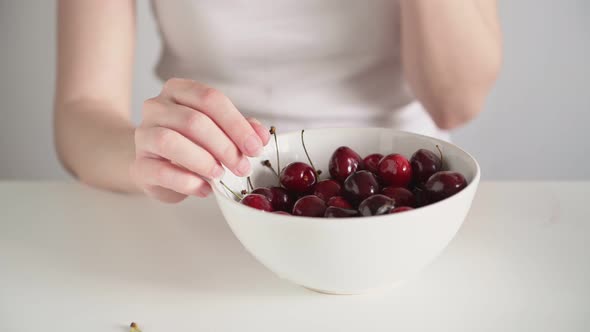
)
(77, 259)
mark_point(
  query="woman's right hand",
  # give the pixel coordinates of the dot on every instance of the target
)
(187, 132)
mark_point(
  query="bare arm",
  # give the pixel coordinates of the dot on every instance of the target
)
(186, 133)
(451, 54)
(93, 130)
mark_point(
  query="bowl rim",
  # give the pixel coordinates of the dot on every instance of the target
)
(216, 185)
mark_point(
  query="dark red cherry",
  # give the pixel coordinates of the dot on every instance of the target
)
(326, 189)
(376, 205)
(282, 212)
(336, 212)
(257, 201)
(279, 197)
(359, 186)
(298, 177)
(309, 206)
(395, 170)
(420, 197)
(371, 162)
(344, 161)
(401, 209)
(339, 201)
(401, 196)
(281, 200)
(444, 184)
(264, 192)
(424, 163)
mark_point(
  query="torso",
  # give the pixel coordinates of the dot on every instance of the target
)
(295, 63)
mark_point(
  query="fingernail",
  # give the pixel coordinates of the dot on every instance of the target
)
(255, 121)
(205, 190)
(217, 172)
(244, 167)
(253, 146)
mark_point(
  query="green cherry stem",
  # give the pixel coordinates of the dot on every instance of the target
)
(307, 154)
(441, 155)
(273, 132)
(231, 191)
(266, 163)
(250, 184)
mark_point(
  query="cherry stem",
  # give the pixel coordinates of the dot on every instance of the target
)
(231, 191)
(273, 131)
(250, 184)
(266, 163)
(441, 155)
(307, 154)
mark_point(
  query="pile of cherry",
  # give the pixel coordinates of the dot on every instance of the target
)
(357, 187)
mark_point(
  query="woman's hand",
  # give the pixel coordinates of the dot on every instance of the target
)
(187, 132)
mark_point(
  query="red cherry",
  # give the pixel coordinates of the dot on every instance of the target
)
(336, 212)
(264, 192)
(339, 201)
(401, 209)
(257, 201)
(424, 163)
(279, 197)
(444, 184)
(344, 161)
(421, 199)
(395, 170)
(359, 186)
(309, 206)
(327, 189)
(371, 162)
(376, 205)
(400, 195)
(281, 200)
(298, 177)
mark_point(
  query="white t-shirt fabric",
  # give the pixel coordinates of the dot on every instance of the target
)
(295, 64)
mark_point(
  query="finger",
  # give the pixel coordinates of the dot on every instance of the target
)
(219, 108)
(200, 129)
(164, 195)
(260, 130)
(161, 173)
(171, 145)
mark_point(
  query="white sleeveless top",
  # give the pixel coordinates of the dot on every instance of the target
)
(295, 64)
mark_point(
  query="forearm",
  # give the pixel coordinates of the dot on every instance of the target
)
(95, 144)
(451, 55)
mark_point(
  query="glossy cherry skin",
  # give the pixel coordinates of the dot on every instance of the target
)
(298, 177)
(444, 184)
(359, 186)
(401, 209)
(281, 200)
(376, 205)
(264, 192)
(339, 201)
(395, 170)
(327, 189)
(344, 161)
(309, 206)
(279, 197)
(257, 201)
(336, 212)
(371, 162)
(424, 163)
(282, 212)
(401, 196)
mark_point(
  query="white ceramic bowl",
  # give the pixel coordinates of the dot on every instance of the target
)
(351, 255)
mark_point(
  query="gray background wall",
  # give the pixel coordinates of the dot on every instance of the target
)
(535, 125)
